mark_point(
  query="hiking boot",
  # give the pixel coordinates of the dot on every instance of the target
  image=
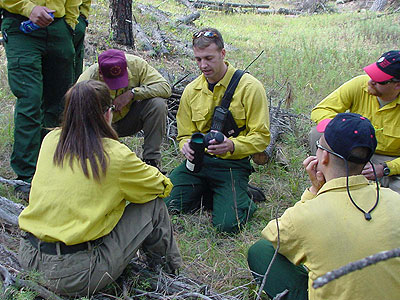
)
(255, 193)
(22, 191)
(154, 163)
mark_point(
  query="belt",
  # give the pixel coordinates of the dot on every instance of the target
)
(7, 14)
(51, 248)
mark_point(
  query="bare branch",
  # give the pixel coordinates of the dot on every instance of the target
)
(273, 257)
(354, 266)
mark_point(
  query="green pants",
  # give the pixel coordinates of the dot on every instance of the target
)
(149, 115)
(40, 71)
(220, 185)
(147, 226)
(283, 274)
(79, 38)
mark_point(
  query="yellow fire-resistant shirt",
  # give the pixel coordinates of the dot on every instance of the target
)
(67, 8)
(249, 108)
(84, 8)
(146, 81)
(353, 96)
(67, 206)
(326, 231)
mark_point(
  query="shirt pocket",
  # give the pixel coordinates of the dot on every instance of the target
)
(238, 113)
(201, 117)
(391, 139)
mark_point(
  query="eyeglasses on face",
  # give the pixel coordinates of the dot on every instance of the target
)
(327, 150)
(207, 34)
(387, 81)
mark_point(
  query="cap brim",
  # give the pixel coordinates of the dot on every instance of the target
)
(322, 125)
(376, 74)
(116, 83)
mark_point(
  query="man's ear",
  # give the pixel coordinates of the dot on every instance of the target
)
(223, 52)
(324, 158)
(397, 86)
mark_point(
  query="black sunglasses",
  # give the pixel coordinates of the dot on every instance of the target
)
(327, 150)
(387, 81)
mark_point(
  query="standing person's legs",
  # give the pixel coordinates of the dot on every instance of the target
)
(58, 71)
(24, 55)
(282, 275)
(392, 182)
(151, 116)
(228, 179)
(79, 39)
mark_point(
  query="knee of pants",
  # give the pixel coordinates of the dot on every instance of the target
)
(160, 105)
(259, 255)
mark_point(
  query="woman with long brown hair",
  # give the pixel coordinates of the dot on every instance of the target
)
(80, 231)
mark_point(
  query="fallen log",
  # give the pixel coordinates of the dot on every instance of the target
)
(189, 18)
(228, 4)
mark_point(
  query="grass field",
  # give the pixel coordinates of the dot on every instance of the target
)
(314, 54)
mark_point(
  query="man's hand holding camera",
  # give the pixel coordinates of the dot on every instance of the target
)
(216, 148)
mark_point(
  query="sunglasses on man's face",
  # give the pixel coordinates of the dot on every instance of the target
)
(318, 145)
(386, 82)
(207, 34)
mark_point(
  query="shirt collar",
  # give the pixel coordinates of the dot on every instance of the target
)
(224, 81)
(356, 181)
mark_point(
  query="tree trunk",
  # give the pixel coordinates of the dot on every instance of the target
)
(121, 21)
(378, 5)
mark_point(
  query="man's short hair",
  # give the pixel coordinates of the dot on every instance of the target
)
(206, 36)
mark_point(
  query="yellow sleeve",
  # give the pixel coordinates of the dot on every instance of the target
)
(72, 12)
(151, 82)
(338, 101)
(21, 7)
(141, 183)
(84, 9)
(291, 244)
(394, 166)
(184, 119)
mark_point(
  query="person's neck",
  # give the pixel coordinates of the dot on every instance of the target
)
(388, 98)
(214, 81)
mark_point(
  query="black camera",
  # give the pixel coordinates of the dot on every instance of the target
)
(218, 136)
(198, 143)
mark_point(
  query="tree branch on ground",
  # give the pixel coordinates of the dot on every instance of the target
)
(354, 266)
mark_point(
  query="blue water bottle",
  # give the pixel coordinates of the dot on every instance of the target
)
(29, 26)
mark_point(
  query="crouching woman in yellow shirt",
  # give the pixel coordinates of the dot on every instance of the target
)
(93, 203)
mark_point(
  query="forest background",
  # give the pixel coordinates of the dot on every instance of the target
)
(305, 57)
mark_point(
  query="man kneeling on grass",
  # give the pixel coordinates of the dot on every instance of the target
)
(341, 218)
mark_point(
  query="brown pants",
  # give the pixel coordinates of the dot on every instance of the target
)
(82, 273)
(392, 182)
(149, 115)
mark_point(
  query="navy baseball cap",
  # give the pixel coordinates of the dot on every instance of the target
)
(347, 131)
(387, 67)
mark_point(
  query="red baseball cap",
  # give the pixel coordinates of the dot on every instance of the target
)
(114, 68)
(387, 67)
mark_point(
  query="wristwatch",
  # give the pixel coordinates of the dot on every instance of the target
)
(386, 170)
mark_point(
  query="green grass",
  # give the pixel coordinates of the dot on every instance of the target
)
(314, 54)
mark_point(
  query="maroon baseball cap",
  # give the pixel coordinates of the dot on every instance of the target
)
(113, 67)
(387, 67)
